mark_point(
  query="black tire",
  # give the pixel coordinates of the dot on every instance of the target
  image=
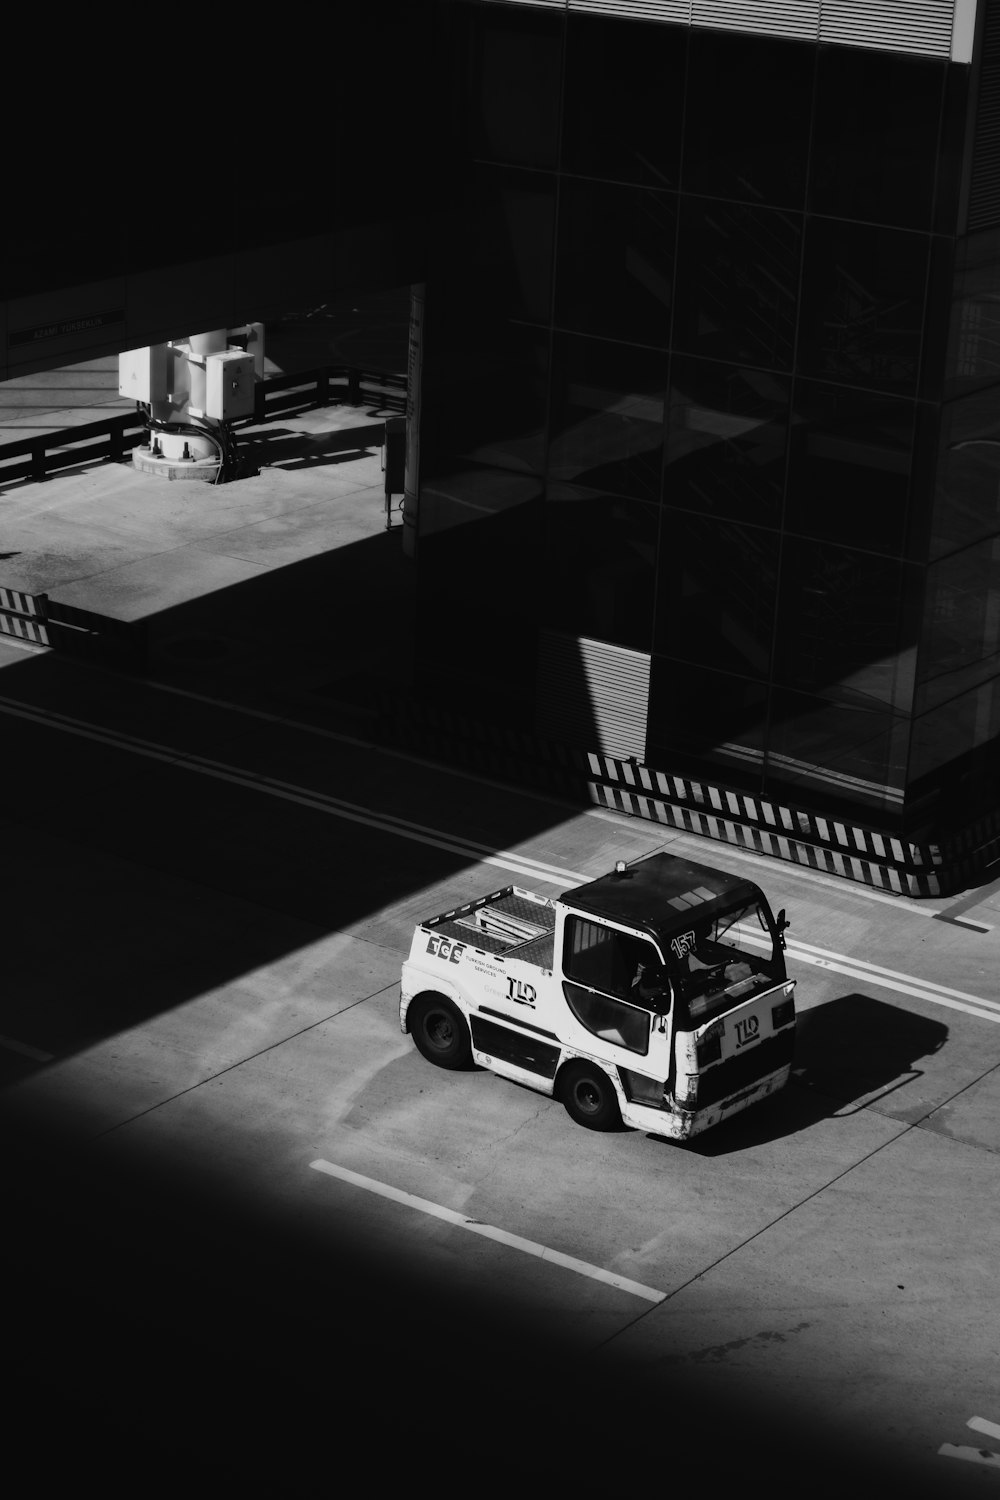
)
(589, 1097)
(439, 1032)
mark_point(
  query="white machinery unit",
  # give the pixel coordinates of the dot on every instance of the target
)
(229, 385)
(143, 374)
(192, 390)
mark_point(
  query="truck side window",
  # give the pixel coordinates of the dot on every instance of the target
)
(605, 959)
(598, 958)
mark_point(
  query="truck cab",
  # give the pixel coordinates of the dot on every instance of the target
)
(656, 995)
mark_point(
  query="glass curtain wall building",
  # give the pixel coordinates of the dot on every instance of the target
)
(710, 445)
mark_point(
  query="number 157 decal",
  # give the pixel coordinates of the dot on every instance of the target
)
(747, 1031)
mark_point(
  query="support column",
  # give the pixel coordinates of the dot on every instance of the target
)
(414, 373)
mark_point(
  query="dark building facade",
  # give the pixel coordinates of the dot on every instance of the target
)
(710, 449)
(709, 414)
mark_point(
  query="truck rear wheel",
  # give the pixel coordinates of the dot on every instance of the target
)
(589, 1097)
(439, 1032)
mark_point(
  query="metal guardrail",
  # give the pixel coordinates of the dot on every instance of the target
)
(106, 439)
(110, 438)
(329, 382)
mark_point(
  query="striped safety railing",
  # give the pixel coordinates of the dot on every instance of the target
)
(24, 616)
(793, 833)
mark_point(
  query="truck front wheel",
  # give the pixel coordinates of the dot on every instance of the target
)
(439, 1032)
(589, 1097)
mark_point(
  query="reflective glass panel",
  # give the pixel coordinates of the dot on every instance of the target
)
(600, 563)
(737, 282)
(950, 734)
(747, 118)
(727, 441)
(846, 627)
(863, 292)
(716, 592)
(514, 224)
(850, 466)
(973, 357)
(875, 136)
(702, 721)
(961, 641)
(615, 261)
(516, 85)
(607, 416)
(484, 393)
(836, 752)
(623, 100)
(967, 498)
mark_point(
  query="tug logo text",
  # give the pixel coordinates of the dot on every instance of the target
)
(443, 947)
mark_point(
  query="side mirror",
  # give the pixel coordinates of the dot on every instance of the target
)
(781, 922)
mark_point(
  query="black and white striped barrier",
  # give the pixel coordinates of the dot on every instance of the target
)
(798, 835)
(23, 616)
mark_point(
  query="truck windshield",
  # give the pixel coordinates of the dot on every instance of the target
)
(722, 959)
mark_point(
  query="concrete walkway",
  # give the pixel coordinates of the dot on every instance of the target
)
(56, 399)
(285, 585)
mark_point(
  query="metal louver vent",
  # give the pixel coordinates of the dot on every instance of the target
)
(640, 10)
(929, 28)
(591, 695)
(921, 26)
(984, 186)
(793, 18)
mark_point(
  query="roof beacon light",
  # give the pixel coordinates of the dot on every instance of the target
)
(620, 867)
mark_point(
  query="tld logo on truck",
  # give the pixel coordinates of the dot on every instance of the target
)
(747, 1031)
(443, 947)
(522, 992)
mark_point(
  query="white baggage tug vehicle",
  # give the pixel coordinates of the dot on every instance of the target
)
(656, 995)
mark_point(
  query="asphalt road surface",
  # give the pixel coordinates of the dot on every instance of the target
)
(253, 1240)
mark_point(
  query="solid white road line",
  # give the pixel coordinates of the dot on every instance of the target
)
(887, 979)
(980, 1424)
(803, 872)
(487, 1231)
(971, 1455)
(321, 801)
(521, 865)
(33, 1052)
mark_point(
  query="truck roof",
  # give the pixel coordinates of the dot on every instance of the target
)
(660, 894)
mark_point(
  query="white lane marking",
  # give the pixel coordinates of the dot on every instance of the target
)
(32, 646)
(290, 792)
(487, 1231)
(980, 1424)
(801, 949)
(523, 865)
(983, 1456)
(604, 814)
(887, 979)
(33, 1052)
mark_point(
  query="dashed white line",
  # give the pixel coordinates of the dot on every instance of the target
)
(887, 979)
(25, 1050)
(601, 813)
(521, 865)
(490, 1232)
(982, 1456)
